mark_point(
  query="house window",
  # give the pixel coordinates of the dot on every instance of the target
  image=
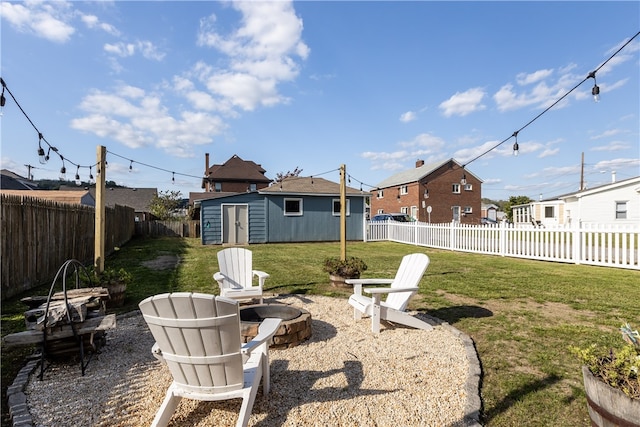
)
(293, 207)
(336, 207)
(468, 209)
(468, 187)
(548, 212)
(404, 210)
(455, 188)
(380, 194)
(403, 190)
(218, 186)
(253, 187)
(621, 210)
(380, 211)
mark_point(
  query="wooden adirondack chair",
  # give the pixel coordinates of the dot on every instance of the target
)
(235, 277)
(198, 337)
(402, 288)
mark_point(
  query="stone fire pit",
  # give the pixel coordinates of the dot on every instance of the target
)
(294, 329)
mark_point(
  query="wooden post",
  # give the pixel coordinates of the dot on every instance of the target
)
(101, 179)
(343, 212)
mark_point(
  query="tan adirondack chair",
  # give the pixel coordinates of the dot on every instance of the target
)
(402, 288)
(235, 277)
(198, 337)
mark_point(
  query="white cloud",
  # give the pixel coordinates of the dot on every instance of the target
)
(48, 20)
(93, 22)
(525, 79)
(144, 48)
(607, 134)
(427, 140)
(463, 103)
(262, 53)
(612, 146)
(407, 117)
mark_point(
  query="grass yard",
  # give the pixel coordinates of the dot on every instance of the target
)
(523, 315)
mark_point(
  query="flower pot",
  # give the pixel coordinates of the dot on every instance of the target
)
(609, 407)
(116, 294)
(339, 281)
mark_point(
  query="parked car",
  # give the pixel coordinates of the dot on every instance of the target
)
(488, 221)
(400, 217)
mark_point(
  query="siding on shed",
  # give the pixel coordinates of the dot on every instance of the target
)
(316, 224)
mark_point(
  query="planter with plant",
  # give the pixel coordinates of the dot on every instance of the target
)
(611, 381)
(341, 269)
(115, 280)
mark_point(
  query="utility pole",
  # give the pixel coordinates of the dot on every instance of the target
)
(29, 167)
(101, 179)
(582, 173)
(343, 213)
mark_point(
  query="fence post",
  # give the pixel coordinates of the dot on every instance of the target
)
(502, 239)
(576, 242)
(452, 236)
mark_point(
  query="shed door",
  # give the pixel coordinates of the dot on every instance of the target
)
(235, 224)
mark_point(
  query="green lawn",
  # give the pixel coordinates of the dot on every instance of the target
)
(523, 315)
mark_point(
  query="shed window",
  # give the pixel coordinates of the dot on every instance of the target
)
(293, 207)
(336, 207)
(621, 210)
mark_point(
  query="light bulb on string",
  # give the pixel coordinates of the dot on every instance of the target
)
(516, 147)
(41, 156)
(90, 175)
(3, 100)
(77, 177)
(63, 171)
(595, 90)
(173, 178)
(131, 166)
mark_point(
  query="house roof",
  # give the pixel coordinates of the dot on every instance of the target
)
(606, 187)
(416, 174)
(12, 181)
(308, 186)
(136, 198)
(206, 195)
(236, 169)
(74, 197)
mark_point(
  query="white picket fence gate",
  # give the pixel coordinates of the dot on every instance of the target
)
(594, 244)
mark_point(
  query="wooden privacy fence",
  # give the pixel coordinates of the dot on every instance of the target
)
(39, 235)
(594, 244)
(168, 228)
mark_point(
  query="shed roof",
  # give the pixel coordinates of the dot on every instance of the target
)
(308, 186)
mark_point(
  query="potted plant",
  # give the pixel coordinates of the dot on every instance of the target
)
(115, 280)
(341, 269)
(611, 380)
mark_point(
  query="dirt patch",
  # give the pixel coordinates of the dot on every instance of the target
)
(163, 262)
(553, 312)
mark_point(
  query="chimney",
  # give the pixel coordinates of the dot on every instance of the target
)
(419, 163)
(613, 176)
(206, 172)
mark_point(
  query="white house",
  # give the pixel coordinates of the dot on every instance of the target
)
(617, 203)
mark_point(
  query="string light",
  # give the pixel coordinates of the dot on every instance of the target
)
(42, 158)
(90, 175)
(63, 171)
(173, 178)
(77, 177)
(131, 166)
(516, 148)
(595, 90)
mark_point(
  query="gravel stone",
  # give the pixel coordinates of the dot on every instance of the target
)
(344, 375)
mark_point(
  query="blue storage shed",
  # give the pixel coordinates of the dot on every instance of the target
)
(298, 209)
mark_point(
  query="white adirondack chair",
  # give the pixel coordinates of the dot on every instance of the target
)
(402, 288)
(198, 337)
(235, 277)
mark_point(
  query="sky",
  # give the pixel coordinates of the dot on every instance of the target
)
(373, 85)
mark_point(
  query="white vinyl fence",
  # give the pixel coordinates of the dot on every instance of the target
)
(608, 246)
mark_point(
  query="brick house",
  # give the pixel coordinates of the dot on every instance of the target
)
(234, 176)
(433, 193)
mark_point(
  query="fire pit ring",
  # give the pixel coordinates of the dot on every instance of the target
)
(294, 329)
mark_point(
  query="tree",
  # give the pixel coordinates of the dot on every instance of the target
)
(515, 201)
(164, 203)
(281, 176)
